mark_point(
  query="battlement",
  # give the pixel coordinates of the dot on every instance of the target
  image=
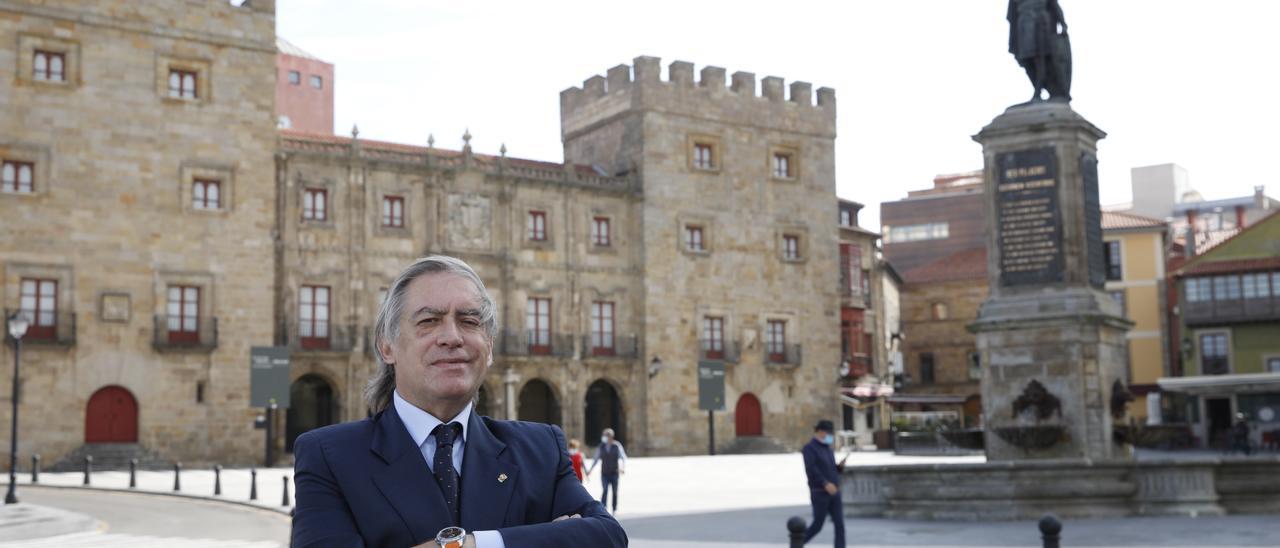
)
(641, 86)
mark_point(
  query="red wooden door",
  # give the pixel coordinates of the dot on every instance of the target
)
(111, 417)
(746, 416)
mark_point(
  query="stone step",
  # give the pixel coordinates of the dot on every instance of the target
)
(110, 456)
(754, 445)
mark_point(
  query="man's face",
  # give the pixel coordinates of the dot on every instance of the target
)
(442, 351)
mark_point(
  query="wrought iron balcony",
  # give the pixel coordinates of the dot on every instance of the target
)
(323, 338)
(49, 329)
(782, 354)
(526, 344)
(623, 346)
(198, 334)
(860, 365)
(718, 350)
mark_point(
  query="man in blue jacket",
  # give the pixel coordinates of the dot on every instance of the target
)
(426, 470)
(824, 481)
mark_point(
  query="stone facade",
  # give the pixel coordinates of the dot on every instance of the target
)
(113, 222)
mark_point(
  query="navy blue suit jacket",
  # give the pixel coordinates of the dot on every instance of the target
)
(820, 465)
(365, 483)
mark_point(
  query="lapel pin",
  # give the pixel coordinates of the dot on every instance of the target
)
(502, 478)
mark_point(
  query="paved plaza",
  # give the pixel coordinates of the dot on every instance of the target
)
(701, 501)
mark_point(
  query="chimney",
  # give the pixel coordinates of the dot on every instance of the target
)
(1260, 197)
(1240, 217)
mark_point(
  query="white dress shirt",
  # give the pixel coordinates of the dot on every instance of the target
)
(420, 424)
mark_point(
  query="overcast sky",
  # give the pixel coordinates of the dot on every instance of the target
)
(1193, 82)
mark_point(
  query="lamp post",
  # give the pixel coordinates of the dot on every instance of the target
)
(17, 328)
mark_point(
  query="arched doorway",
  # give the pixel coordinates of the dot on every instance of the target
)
(746, 416)
(481, 407)
(111, 416)
(311, 405)
(604, 410)
(538, 403)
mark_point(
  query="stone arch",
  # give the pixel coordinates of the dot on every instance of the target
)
(538, 402)
(748, 420)
(313, 403)
(604, 408)
(111, 416)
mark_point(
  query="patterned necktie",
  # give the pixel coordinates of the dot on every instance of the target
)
(446, 474)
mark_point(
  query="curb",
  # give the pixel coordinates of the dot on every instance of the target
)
(246, 504)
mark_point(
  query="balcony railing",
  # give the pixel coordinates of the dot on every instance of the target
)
(725, 351)
(185, 333)
(859, 365)
(1225, 311)
(525, 344)
(324, 338)
(62, 332)
(785, 354)
(624, 346)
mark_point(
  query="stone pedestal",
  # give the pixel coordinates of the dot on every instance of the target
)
(1052, 343)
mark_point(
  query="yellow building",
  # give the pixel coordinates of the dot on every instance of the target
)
(1135, 252)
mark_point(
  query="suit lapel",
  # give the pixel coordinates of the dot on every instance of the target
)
(488, 478)
(406, 480)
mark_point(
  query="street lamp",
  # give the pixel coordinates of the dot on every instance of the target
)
(17, 328)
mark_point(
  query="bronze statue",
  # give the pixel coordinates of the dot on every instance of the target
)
(1038, 40)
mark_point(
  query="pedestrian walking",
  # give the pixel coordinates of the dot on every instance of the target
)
(614, 459)
(575, 455)
(824, 481)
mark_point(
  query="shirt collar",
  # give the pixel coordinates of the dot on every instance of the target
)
(420, 423)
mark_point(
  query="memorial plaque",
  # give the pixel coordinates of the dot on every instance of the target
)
(1093, 221)
(711, 386)
(1028, 219)
(269, 376)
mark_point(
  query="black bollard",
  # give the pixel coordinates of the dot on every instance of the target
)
(177, 477)
(795, 531)
(35, 468)
(133, 473)
(284, 500)
(253, 484)
(88, 468)
(1050, 528)
(217, 479)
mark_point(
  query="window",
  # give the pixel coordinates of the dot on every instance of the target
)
(1113, 260)
(1119, 298)
(1226, 288)
(538, 325)
(782, 165)
(537, 226)
(713, 337)
(316, 82)
(704, 156)
(1255, 286)
(182, 84)
(926, 368)
(39, 303)
(975, 366)
(776, 340)
(295, 77)
(846, 339)
(315, 204)
(200, 392)
(846, 217)
(1213, 354)
(600, 231)
(206, 194)
(18, 177)
(183, 314)
(850, 274)
(1198, 290)
(693, 238)
(866, 285)
(393, 211)
(313, 316)
(602, 328)
(916, 233)
(49, 66)
(1273, 365)
(939, 311)
(790, 247)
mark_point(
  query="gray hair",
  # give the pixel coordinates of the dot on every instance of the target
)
(377, 395)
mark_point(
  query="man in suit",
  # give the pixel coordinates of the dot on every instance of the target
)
(824, 481)
(426, 470)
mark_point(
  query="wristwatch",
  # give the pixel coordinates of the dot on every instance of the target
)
(451, 537)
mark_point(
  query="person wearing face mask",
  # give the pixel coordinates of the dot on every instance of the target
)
(824, 481)
(615, 463)
(575, 455)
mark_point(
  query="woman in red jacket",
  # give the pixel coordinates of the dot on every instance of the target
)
(576, 455)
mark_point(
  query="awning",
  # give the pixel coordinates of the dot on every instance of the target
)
(928, 399)
(1222, 384)
(868, 391)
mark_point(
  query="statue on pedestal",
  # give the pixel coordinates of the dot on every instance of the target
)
(1038, 40)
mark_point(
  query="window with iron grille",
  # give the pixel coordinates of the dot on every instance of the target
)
(693, 238)
(1213, 354)
(713, 337)
(538, 325)
(206, 194)
(393, 211)
(39, 303)
(49, 66)
(315, 206)
(704, 156)
(776, 340)
(182, 84)
(18, 177)
(537, 226)
(183, 314)
(313, 316)
(602, 328)
(600, 231)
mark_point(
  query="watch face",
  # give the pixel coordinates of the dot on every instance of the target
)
(451, 533)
